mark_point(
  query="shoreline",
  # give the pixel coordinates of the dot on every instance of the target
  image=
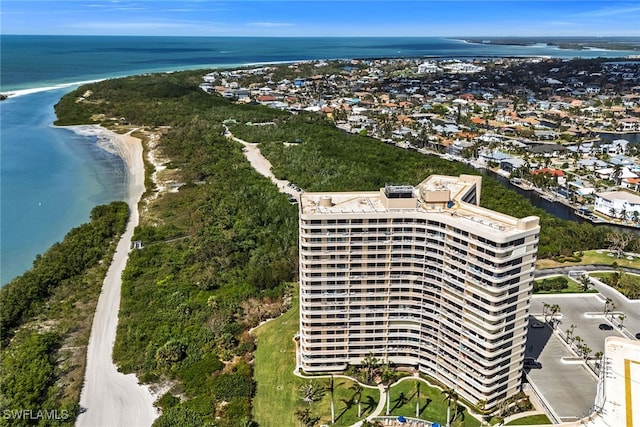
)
(109, 397)
(23, 92)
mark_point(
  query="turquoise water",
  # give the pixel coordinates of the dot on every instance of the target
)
(51, 178)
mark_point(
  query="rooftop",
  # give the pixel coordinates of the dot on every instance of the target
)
(441, 196)
(620, 195)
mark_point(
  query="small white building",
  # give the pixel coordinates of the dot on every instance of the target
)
(618, 201)
(428, 68)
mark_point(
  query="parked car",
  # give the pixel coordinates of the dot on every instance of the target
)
(605, 327)
(537, 324)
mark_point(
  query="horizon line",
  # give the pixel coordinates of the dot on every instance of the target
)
(324, 36)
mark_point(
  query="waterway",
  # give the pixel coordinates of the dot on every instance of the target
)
(558, 209)
(555, 208)
(633, 138)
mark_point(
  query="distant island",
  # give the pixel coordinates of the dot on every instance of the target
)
(574, 43)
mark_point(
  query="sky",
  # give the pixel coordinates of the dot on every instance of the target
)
(445, 18)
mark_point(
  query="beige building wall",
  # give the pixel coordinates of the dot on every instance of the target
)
(419, 276)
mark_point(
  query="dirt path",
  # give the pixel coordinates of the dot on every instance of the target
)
(110, 398)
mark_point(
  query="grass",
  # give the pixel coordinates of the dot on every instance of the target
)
(530, 420)
(572, 288)
(608, 275)
(591, 258)
(433, 407)
(278, 397)
(277, 393)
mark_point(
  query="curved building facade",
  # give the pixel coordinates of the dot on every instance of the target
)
(419, 276)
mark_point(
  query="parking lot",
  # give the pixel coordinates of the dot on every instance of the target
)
(585, 312)
(563, 379)
(568, 387)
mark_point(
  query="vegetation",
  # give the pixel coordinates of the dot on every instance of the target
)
(219, 253)
(530, 420)
(626, 284)
(282, 397)
(559, 284)
(330, 160)
(46, 317)
(592, 257)
(433, 404)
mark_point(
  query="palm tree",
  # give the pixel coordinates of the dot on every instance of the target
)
(622, 316)
(598, 357)
(612, 213)
(612, 309)
(303, 415)
(578, 341)
(417, 399)
(330, 387)
(357, 395)
(569, 333)
(635, 217)
(606, 306)
(545, 311)
(452, 397)
(387, 378)
(585, 282)
(370, 365)
(617, 172)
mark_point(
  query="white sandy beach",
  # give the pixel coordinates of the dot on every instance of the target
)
(22, 92)
(110, 398)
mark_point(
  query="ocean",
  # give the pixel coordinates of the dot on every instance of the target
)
(51, 178)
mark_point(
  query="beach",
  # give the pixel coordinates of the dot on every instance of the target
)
(110, 398)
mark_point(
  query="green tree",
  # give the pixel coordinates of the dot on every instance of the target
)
(331, 387)
(621, 318)
(371, 364)
(357, 395)
(387, 378)
(417, 384)
(585, 282)
(451, 396)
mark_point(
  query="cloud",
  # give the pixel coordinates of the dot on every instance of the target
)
(610, 11)
(270, 24)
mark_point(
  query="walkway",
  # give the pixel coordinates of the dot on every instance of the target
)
(262, 165)
(111, 398)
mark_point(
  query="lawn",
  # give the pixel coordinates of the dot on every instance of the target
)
(433, 407)
(572, 288)
(530, 420)
(595, 257)
(277, 393)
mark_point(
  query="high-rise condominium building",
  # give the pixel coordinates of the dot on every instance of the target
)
(419, 276)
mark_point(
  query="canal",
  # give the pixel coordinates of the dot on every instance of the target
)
(558, 209)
